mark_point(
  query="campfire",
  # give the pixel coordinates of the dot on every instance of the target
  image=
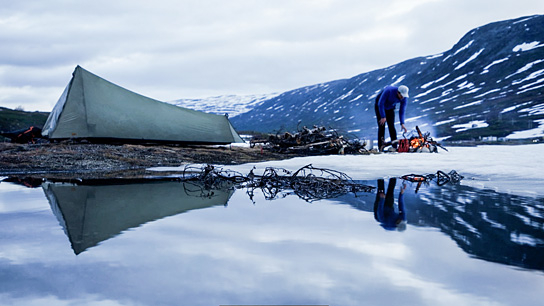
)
(418, 143)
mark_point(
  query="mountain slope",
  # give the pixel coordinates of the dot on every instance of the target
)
(490, 83)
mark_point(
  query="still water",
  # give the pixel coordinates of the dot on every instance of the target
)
(174, 243)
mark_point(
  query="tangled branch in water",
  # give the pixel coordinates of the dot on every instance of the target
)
(308, 183)
(441, 178)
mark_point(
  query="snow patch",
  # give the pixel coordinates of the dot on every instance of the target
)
(486, 68)
(531, 88)
(531, 133)
(523, 20)
(476, 124)
(424, 86)
(511, 108)
(356, 98)
(398, 80)
(464, 47)
(534, 110)
(474, 56)
(525, 68)
(527, 46)
(434, 56)
(531, 76)
(443, 122)
(486, 93)
(469, 104)
(511, 170)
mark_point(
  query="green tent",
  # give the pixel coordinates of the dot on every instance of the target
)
(97, 212)
(98, 110)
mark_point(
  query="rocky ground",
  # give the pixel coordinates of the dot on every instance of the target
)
(68, 160)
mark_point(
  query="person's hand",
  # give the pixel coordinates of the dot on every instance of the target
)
(402, 127)
(382, 121)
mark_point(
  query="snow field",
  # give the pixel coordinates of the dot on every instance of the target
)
(503, 168)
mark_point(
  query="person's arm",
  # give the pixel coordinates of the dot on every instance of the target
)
(381, 107)
(381, 103)
(402, 110)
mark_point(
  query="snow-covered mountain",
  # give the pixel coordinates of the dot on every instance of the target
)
(232, 105)
(490, 83)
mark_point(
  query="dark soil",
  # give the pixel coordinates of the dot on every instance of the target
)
(68, 160)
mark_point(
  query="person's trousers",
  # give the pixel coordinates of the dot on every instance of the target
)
(390, 117)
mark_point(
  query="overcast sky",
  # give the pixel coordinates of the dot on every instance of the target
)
(169, 50)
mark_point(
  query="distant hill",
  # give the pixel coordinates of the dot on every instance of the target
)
(490, 83)
(12, 120)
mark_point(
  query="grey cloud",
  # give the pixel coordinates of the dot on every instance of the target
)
(184, 49)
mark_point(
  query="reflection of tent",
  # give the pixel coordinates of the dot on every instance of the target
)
(94, 213)
(93, 108)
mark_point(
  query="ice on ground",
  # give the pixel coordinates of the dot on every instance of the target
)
(503, 168)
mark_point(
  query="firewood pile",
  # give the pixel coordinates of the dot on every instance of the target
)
(316, 141)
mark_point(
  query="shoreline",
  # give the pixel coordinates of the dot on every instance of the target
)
(69, 160)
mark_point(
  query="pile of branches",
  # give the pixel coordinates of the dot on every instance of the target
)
(316, 141)
(308, 183)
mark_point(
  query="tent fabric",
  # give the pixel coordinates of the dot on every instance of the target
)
(93, 108)
(90, 214)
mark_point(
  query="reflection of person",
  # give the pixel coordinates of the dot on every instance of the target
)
(385, 111)
(384, 206)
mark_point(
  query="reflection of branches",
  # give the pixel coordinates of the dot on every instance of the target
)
(441, 178)
(308, 183)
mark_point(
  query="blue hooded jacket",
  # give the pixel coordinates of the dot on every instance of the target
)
(389, 99)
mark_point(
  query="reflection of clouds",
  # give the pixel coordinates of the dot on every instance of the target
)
(53, 300)
(431, 292)
(274, 252)
(16, 198)
(22, 233)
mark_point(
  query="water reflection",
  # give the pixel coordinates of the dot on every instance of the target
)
(96, 212)
(496, 227)
(390, 218)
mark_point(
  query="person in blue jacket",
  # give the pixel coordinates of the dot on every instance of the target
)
(385, 104)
